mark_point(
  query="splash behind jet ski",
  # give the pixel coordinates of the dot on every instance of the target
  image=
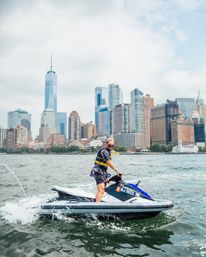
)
(121, 199)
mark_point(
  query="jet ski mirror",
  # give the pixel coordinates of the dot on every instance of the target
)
(138, 182)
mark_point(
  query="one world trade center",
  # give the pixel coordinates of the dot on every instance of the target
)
(51, 89)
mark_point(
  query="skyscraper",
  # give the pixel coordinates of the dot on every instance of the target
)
(200, 106)
(20, 117)
(158, 125)
(148, 105)
(199, 130)
(161, 122)
(137, 111)
(51, 89)
(104, 121)
(121, 118)
(141, 115)
(62, 124)
(115, 96)
(90, 130)
(101, 101)
(74, 126)
(186, 106)
(48, 125)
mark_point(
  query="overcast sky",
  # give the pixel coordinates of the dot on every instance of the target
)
(157, 46)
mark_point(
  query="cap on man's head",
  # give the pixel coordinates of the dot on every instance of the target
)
(110, 140)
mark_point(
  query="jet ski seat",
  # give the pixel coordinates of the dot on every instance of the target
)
(65, 193)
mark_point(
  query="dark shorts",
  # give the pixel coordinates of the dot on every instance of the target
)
(100, 178)
(99, 175)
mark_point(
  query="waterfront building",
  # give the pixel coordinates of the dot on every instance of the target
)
(137, 111)
(115, 96)
(95, 143)
(20, 117)
(104, 121)
(186, 106)
(44, 134)
(77, 143)
(62, 124)
(90, 130)
(48, 125)
(101, 100)
(2, 137)
(161, 122)
(56, 140)
(141, 115)
(199, 130)
(182, 130)
(201, 107)
(82, 130)
(148, 105)
(51, 89)
(48, 118)
(74, 126)
(158, 125)
(121, 118)
(21, 136)
(130, 140)
(185, 148)
(10, 141)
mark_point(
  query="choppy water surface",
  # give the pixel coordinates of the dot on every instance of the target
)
(178, 232)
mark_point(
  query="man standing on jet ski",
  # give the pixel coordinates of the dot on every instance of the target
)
(99, 171)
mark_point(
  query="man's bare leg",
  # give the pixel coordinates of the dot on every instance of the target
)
(100, 193)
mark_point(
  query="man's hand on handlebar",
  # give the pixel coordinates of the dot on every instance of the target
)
(118, 173)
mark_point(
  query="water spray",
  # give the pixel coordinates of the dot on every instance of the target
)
(17, 179)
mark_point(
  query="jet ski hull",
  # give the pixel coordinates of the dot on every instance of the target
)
(106, 210)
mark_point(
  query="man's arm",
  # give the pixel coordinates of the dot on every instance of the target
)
(111, 165)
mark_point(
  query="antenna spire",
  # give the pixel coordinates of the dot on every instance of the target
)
(51, 64)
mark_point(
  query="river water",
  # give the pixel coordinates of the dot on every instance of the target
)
(177, 232)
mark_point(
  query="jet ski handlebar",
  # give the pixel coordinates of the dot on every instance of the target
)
(116, 178)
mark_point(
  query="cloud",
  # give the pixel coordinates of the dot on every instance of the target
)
(93, 43)
(183, 83)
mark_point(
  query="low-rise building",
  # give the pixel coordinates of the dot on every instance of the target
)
(191, 148)
(10, 141)
(130, 140)
(21, 136)
(2, 137)
(56, 140)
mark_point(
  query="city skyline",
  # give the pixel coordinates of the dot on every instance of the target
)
(155, 46)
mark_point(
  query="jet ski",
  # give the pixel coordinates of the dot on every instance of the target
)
(121, 199)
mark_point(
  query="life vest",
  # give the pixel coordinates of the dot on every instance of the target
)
(100, 161)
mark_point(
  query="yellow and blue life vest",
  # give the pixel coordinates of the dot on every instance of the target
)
(103, 156)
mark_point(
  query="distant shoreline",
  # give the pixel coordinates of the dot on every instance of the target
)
(119, 153)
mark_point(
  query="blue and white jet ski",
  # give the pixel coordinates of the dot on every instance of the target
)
(121, 199)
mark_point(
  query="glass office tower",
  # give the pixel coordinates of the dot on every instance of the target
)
(51, 89)
(186, 106)
(115, 96)
(101, 100)
(137, 111)
(62, 124)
